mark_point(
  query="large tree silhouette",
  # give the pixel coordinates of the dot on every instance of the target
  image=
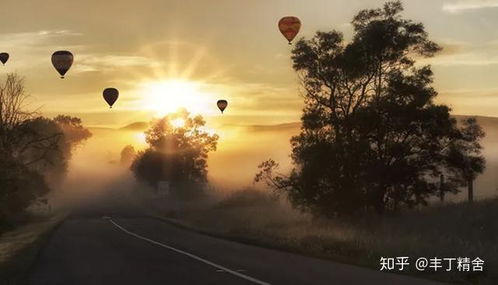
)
(371, 135)
(33, 150)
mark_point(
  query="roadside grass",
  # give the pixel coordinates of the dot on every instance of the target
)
(19, 247)
(452, 230)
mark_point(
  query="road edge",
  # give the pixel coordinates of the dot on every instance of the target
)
(255, 242)
(17, 269)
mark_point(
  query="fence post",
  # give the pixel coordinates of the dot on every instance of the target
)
(470, 185)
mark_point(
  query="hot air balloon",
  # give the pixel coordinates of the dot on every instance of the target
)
(289, 27)
(62, 61)
(4, 57)
(110, 96)
(222, 104)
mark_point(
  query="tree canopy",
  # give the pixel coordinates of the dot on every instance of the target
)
(372, 136)
(34, 151)
(178, 151)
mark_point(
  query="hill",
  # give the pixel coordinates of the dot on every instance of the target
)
(137, 126)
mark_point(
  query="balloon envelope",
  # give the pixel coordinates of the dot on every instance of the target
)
(62, 61)
(222, 104)
(111, 95)
(4, 57)
(289, 27)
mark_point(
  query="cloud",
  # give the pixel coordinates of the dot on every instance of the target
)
(461, 6)
(476, 92)
(34, 48)
(471, 101)
(464, 59)
(33, 39)
(346, 27)
(93, 62)
(28, 49)
(452, 47)
(456, 53)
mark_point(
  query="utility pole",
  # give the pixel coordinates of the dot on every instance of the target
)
(441, 188)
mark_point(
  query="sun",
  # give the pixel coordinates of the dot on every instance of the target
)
(178, 123)
(141, 138)
(168, 96)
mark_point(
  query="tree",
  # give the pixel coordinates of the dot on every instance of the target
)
(51, 157)
(72, 127)
(464, 155)
(178, 151)
(371, 135)
(12, 114)
(24, 136)
(20, 185)
(74, 134)
(127, 155)
(41, 144)
(33, 150)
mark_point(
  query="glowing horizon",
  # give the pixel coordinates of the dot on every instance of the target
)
(212, 51)
(168, 96)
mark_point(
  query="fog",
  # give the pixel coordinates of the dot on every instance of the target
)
(487, 183)
(94, 171)
(95, 168)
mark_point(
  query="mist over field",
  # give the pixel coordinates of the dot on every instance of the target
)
(232, 167)
(487, 183)
(239, 151)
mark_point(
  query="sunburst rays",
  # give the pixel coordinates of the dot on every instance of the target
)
(182, 78)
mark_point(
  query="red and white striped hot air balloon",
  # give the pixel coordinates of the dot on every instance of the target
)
(289, 27)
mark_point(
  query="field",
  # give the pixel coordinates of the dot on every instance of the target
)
(452, 230)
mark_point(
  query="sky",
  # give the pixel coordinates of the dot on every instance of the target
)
(165, 54)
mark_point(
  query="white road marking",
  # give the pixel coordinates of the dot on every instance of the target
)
(220, 267)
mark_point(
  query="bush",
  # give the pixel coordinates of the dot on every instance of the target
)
(246, 198)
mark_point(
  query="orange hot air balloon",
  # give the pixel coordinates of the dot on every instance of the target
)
(62, 61)
(222, 104)
(289, 27)
(111, 96)
(4, 57)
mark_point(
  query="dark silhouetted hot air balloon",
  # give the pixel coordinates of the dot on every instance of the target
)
(62, 61)
(111, 95)
(222, 104)
(4, 57)
(289, 27)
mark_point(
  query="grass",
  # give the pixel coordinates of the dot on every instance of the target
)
(20, 246)
(453, 230)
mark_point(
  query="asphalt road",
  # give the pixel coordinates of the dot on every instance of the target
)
(105, 245)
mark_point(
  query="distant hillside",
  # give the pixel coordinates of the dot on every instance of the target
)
(488, 123)
(277, 127)
(142, 126)
(479, 118)
(137, 126)
(99, 128)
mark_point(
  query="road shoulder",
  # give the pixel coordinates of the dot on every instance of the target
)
(20, 247)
